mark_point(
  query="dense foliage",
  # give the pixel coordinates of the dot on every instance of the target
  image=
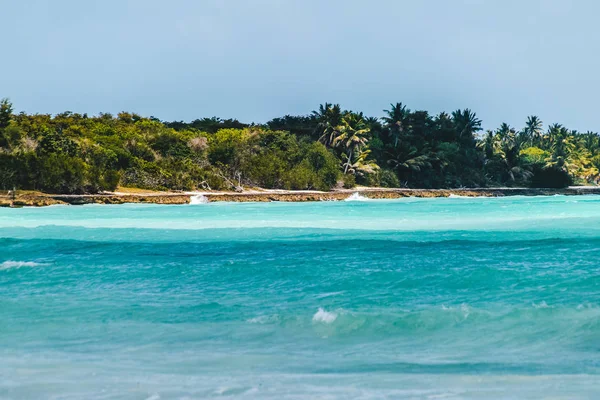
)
(74, 153)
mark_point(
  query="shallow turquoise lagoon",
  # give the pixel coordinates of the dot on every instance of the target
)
(456, 298)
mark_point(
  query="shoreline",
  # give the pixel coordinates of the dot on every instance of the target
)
(36, 199)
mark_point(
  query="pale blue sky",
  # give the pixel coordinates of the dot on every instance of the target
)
(258, 59)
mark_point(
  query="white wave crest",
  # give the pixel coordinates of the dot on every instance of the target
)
(198, 199)
(264, 319)
(18, 264)
(324, 316)
(458, 196)
(464, 309)
(543, 304)
(356, 197)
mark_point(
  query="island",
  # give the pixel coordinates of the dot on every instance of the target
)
(329, 154)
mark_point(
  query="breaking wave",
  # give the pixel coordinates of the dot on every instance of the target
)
(575, 323)
(18, 264)
(356, 197)
(198, 199)
(324, 316)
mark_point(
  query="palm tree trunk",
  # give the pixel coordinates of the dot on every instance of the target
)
(348, 162)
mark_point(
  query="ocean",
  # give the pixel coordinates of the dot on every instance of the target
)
(445, 298)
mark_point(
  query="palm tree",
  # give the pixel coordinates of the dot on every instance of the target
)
(466, 123)
(396, 121)
(580, 163)
(322, 111)
(329, 119)
(444, 127)
(351, 135)
(554, 133)
(489, 144)
(359, 165)
(591, 141)
(509, 154)
(374, 124)
(505, 131)
(410, 161)
(533, 130)
(565, 155)
(502, 150)
(559, 141)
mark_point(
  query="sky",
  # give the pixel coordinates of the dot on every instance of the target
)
(258, 59)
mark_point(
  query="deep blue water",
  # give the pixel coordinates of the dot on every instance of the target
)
(416, 298)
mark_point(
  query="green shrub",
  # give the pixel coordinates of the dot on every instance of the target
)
(349, 181)
(550, 177)
(301, 177)
(324, 164)
(267, 169)
(388, 179)
(534, 155)
(63, 174)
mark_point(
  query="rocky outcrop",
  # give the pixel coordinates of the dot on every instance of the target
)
(40, 199)
(28, 201)
(393, 194)
(122, 199)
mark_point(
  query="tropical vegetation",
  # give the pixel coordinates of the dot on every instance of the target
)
(328, 148)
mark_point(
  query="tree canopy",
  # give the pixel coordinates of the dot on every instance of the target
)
(77, 153)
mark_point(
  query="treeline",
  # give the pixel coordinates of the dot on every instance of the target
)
(75, 153)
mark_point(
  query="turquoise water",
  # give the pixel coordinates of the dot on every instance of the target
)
(415, 299)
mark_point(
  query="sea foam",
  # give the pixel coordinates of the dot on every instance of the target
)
(18, 264)
(324, 316)
(198, 199)
(356, 197)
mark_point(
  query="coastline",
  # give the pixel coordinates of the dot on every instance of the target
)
(37, 199)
